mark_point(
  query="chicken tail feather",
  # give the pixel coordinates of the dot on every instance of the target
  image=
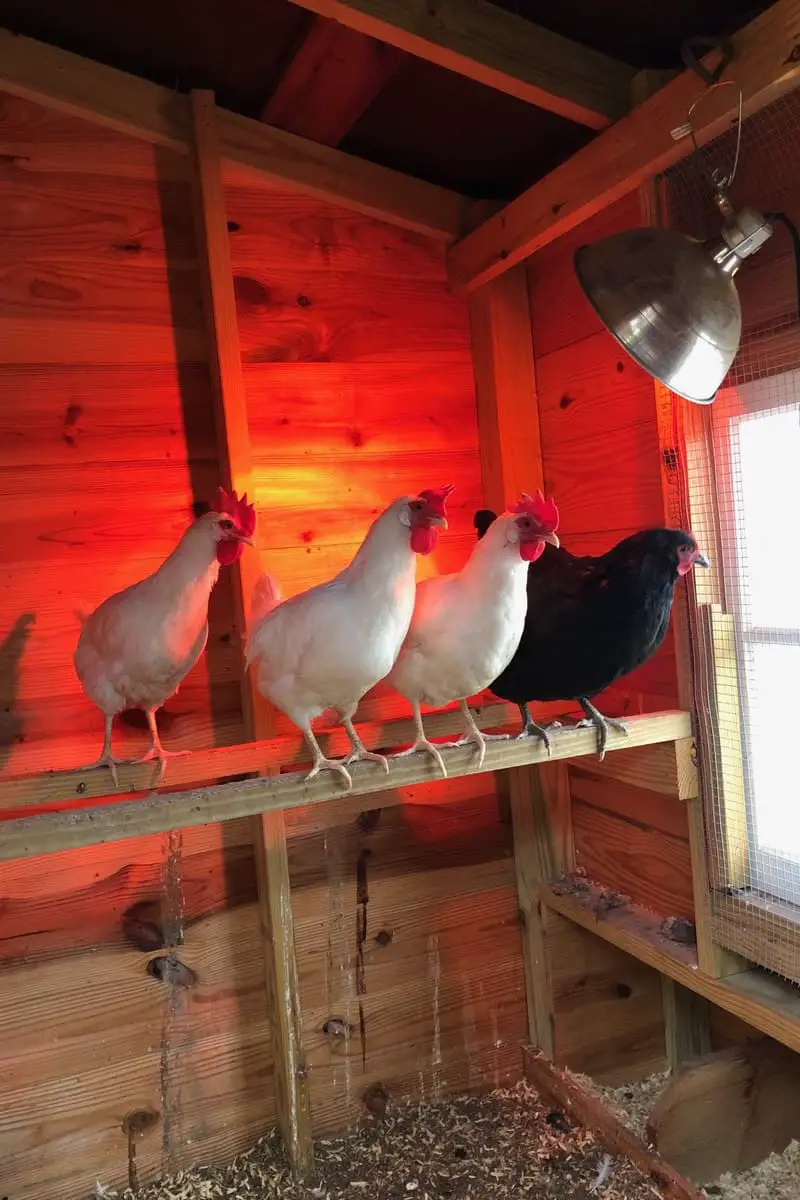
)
(266, 596)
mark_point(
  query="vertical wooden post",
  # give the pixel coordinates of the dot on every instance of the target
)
(511, 462)
(269, 835)
(712, 959)
(687, 1025)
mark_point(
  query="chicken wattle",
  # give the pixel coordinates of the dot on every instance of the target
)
(466, 626)
(137, 647)
(326, 647)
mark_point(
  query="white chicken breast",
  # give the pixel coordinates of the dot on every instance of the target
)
(466, 627)
(326, 647)
(138, 646)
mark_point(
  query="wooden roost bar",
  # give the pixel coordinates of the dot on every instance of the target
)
(191, 297)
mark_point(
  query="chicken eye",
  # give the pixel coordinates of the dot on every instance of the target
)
(226, 525)
(416, 505)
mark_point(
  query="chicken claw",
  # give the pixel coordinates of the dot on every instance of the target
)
(322, 763)
(330, 764)
(360, 751)
(422, 744)
(475, 736)
(107, 759)
(601, 724)
(531, 729)
(158, 752)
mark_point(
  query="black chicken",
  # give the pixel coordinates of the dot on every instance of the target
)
(592, 620)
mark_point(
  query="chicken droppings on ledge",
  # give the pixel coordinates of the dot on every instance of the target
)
(507, 1145)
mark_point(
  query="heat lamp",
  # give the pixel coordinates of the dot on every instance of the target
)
(669, 299)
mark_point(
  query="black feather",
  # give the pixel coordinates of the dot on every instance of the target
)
(482, 520)
(592, 620)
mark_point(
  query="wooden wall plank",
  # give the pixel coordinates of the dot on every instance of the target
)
(607, 1006)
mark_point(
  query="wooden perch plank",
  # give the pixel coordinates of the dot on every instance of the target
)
(293, 1103)
(496, 48)
(332, 79)
(222, 762)
(252, 152)
(728, 1111)
(766, 65)
(160, 812)
(562, 1090)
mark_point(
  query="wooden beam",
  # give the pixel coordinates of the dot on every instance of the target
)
(292, 1097)
(497, 48)
(766, 65)
(561, 1089)
(332, 79)
(756, 997)
(160, 812)
(252, 153)
(511, 462)
(687, 1023)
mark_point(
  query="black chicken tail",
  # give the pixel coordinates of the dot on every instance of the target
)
(482, 520)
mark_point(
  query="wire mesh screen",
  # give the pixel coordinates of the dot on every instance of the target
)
(740, 488)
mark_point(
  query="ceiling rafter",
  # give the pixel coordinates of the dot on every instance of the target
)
(497, 48)
(332, 79)
(766, 65)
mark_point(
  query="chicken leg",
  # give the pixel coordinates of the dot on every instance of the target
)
(107, 759)
(360, 751)
(531, 729)
(476, 736)
(321, 763)
(422, 743)
(156, 749)
(601, 724)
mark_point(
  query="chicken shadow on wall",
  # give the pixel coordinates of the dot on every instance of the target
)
(12, 649)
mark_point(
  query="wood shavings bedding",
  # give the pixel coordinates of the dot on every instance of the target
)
(777, 1178)
(507, 1145)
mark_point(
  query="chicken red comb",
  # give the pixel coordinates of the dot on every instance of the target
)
(435, 497)
(544, 512)
(244, 514)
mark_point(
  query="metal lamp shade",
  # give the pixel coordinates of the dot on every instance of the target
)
(670, 300)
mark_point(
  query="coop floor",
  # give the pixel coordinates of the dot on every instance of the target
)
(504, 1146)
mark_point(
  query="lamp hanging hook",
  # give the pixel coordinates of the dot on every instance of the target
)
(720, 181)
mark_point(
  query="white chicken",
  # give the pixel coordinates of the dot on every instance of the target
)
(139, 644)
(326, 647)
(466, 627)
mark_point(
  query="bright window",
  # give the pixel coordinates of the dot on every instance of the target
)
(757, 441)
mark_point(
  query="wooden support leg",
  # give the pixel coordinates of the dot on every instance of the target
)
(687, 1027)
(269, 834)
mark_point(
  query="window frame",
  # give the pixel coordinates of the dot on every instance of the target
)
(765, 865)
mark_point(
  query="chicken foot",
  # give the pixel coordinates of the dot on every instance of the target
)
(156, 750)
(360, 751)
(422, 743)
(321, 763)
(107, 759)
(601, 724)
(531, 729)
(475, 736)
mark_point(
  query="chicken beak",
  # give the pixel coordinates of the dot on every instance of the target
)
(438, 522)
(245, 540)
(552, 538)
(701, 560)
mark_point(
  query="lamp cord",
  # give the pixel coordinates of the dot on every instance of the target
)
(789, 224)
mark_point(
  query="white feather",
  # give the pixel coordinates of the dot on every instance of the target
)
(466, 627)
(329, 645)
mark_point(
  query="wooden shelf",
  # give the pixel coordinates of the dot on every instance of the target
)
(755, 996)
(163, 811)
